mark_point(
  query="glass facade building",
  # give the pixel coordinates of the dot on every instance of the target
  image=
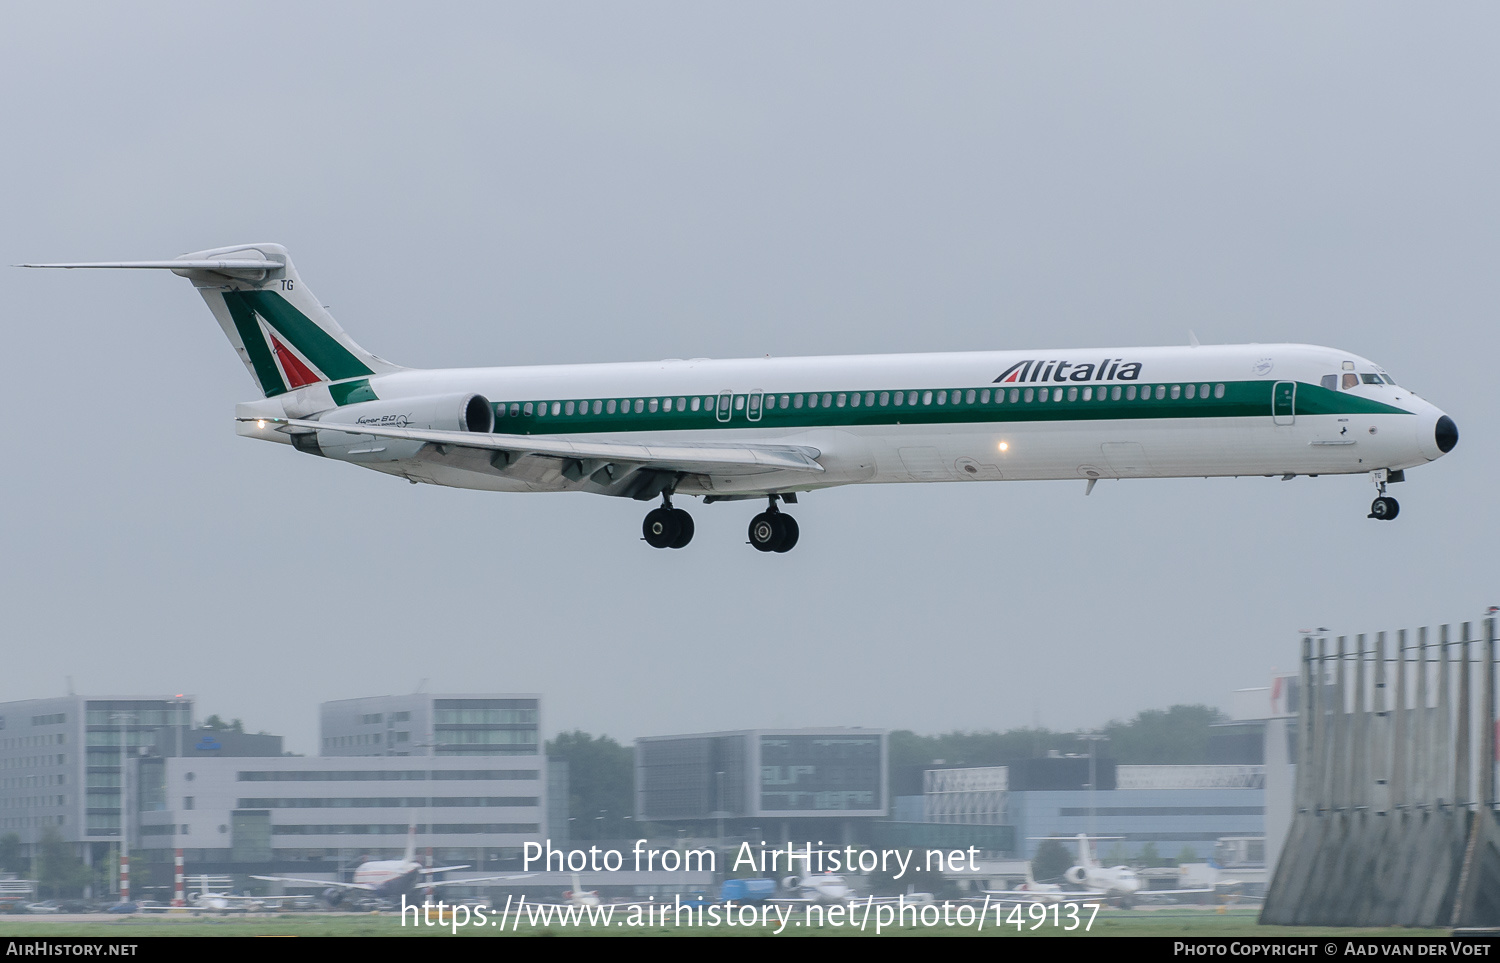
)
(762, 774)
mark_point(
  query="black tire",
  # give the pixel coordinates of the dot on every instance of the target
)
(1385, 508)
(790, 533)
(661, 528)
(684, 528)
(765, 533)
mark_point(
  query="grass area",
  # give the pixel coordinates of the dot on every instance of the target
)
(1177, 924)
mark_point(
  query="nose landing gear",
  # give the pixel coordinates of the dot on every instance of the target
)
(1384, 507)
(667, 527)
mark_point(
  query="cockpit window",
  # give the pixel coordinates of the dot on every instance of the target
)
(1351, 380)
(1388, 379)
(1331, 382)
(1371, 379)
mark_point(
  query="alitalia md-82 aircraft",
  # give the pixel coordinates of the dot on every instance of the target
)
(769, 428)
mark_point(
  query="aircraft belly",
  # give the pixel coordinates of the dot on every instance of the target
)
(1314, 444)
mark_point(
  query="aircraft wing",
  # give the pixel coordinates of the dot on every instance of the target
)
(674, 456)
(1036, 896)
(442, 869)
(476, 879)
(316, 882)
(1225, 891)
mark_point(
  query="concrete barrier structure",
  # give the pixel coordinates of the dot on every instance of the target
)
(1395, 799)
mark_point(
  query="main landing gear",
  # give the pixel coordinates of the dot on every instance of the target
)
(773, 531)
(1384, 507)
(667, 527)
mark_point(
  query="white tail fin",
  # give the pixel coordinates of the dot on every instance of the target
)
(286, 339)
(1086, 853)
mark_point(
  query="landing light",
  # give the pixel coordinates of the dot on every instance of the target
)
(261, 423)
(1004, 446)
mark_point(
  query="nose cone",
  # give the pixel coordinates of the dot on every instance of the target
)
(1445, 434)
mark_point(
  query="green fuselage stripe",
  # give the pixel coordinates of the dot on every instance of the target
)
(255, 346)
(352, 392)
(1244, 399)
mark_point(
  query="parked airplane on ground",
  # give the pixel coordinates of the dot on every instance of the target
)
(224, 903)
(825, 889)
(1112, 881)
(1033, 892)
(772, 428)
(391, 877)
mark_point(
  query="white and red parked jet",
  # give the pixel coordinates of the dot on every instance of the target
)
(391, 878)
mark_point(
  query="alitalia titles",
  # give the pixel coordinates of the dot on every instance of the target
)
(1032, 370)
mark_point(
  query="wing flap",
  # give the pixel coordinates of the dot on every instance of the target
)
(679, 456)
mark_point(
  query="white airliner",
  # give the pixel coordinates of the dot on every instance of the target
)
(824, 889)
(224, 903)
(390, 877)
(769, 428)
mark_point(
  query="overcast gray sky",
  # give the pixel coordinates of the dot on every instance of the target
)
(495, 184)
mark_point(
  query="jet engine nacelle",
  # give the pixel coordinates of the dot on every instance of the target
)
(1077, 875)
(460, 412)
